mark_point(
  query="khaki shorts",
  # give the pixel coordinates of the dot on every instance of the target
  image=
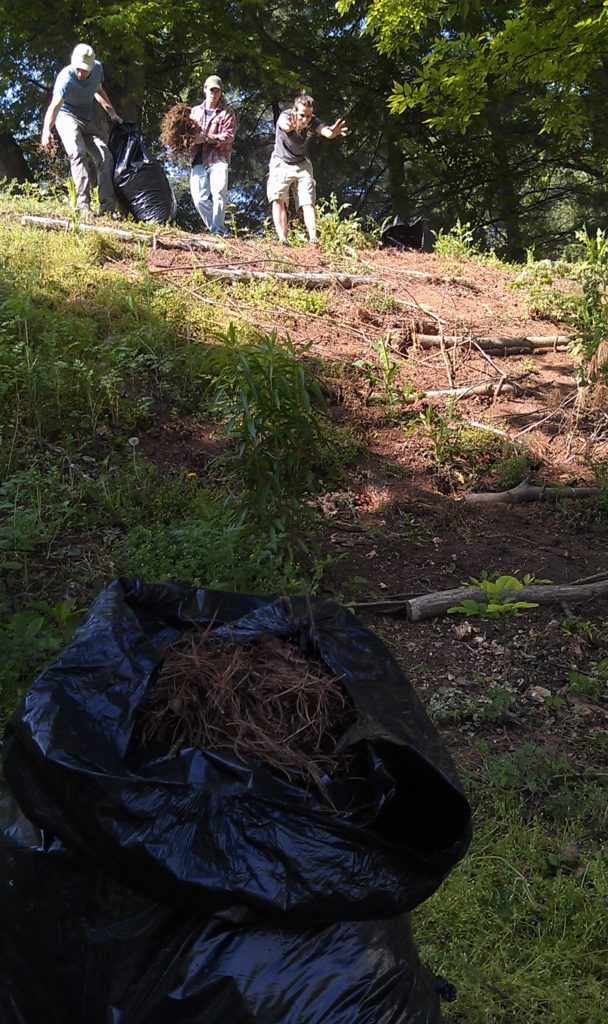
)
(283, 176)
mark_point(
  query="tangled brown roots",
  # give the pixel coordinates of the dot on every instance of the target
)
(265, 701)
(177, 129)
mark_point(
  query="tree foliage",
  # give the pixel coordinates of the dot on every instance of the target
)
(490, 112)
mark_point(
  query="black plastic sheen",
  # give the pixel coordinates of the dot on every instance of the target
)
(139, 180)
(137, 888)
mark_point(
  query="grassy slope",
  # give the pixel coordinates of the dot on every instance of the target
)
(95, 356)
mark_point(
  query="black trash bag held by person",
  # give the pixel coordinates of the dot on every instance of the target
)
(204, 888)
(139, 180)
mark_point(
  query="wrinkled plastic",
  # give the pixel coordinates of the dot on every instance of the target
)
(139, 180)
(401, 234)
(203, 888)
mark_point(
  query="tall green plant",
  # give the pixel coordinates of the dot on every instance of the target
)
(591, 270)
(274, 413)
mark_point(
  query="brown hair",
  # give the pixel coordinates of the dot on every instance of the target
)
(304, 100)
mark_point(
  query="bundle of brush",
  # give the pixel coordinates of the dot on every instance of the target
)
(265, 701)
(177, 130)
(51, 156)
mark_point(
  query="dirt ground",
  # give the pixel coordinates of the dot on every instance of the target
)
(398, 524)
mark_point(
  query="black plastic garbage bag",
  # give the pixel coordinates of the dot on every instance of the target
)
(139, 180)
(402, 234)
(200, 888)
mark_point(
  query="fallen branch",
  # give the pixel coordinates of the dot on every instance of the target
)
(487, 388)
(428, 606)
(497, 346)
(529, 492)
(490, 429)
(568, 400)
(122, 235)
(308, 280)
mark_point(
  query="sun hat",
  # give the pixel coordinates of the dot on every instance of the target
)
(83, 57)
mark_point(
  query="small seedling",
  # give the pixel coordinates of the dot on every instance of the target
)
(501, 597)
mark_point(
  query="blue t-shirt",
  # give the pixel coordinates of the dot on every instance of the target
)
(78, 95)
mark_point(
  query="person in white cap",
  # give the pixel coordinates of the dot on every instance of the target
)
(71, 112)
(211, 157)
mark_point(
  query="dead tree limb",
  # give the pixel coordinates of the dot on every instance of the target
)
(498, 346)
(568, 400)
(122, 235)
(308, 280)
(529, 492)
(485, 388)
(428, 606)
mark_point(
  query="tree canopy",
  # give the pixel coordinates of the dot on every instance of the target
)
(493, 113)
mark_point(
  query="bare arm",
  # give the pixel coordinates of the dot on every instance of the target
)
(102, 97)
(49, 119)
(332, 131)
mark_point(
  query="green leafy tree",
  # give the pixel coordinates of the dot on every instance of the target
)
(511, 97)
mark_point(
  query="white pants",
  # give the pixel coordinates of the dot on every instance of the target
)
(81, 141)
(208, 186)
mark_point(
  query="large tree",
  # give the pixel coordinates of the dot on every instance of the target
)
(512, 93)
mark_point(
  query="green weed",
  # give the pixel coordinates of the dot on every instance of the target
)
(380, 301)
(500, 597)
(273, 416)
(457, 243)
(464, 454)
(340, 233)
(28, 639)
(381, 374)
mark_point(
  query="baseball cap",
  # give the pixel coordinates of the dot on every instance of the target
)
(213, 82)
(83, 57)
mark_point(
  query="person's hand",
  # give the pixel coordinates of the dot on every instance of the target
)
(45, 141)
(339, 128)
(115, 118)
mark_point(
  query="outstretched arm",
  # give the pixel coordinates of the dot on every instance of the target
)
(102, 97)
(332, 131)
(49, 119)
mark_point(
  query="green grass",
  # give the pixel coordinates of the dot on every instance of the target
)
(520, 925)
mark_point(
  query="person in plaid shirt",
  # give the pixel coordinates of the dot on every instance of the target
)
(209, 175)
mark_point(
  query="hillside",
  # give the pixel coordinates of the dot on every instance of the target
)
(398, 525)
(115, 372)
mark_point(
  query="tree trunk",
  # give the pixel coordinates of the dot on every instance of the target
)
(507, 202)
(12, 160)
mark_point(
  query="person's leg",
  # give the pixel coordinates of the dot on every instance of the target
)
(279, 216)
(102, 158)
(280, 178)
(201, 194)
(310, 220)
(218, 186)
(69, 130)
(307, 197)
